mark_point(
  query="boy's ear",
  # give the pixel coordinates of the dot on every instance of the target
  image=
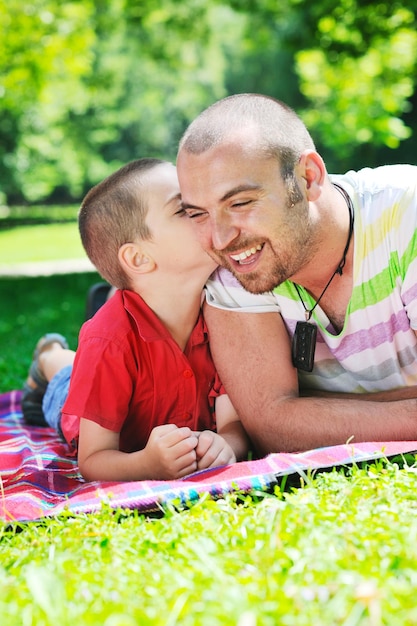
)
(312, 168)
(134, 259)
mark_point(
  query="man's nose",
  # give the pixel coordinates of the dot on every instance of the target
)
(223, 233)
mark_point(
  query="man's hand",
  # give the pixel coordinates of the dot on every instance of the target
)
(212, 450)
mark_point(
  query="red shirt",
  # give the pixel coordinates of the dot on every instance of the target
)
(130, 375)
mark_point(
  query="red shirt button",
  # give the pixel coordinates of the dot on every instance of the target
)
(188, 373)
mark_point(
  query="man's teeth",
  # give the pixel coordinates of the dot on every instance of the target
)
(247, 253)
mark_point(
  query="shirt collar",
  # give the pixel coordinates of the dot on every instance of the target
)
(150, 326)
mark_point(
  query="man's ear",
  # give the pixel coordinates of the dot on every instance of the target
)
(312, 168)
(133, 258)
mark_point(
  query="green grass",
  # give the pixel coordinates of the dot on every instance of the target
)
(11, 216)
(341, 549)
(31, 307)
(43, 242)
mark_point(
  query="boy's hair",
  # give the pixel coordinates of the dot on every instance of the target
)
(113, 213)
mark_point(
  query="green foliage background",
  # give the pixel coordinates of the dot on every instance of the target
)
(86, 85)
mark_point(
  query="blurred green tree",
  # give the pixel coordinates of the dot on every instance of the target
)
(45, 54)
(348, 68)
(86, 85)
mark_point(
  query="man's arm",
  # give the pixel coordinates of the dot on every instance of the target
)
(252, 353)
(404, 393)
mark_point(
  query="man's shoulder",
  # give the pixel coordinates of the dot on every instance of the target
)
(378, 178)
(224, 291)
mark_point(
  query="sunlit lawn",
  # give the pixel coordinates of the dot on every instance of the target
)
(40, 243)
(341, 549)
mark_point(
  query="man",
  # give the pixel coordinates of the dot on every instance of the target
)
(331, 355)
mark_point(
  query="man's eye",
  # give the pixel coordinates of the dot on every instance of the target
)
(239, 203)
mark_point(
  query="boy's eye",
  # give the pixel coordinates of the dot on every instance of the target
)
(194, 212)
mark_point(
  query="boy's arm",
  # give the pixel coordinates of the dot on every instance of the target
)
(169, 454)
(230, 427)
(229, 444)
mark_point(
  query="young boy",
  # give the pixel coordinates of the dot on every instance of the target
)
(144, 399)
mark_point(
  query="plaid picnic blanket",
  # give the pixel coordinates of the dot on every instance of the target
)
(38, 478)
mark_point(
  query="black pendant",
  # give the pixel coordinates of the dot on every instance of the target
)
(304, 346)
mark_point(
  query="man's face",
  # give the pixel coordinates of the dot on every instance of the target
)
(244, 214)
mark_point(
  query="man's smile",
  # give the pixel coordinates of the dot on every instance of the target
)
(243, 257)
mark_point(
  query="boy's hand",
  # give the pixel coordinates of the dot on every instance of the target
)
(171, 452)
(212, 450)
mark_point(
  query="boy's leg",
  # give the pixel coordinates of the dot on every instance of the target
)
(55, 396)
(49, 351)
(55, 359)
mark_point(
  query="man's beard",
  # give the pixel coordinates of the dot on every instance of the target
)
(253, 281)
(261, 284)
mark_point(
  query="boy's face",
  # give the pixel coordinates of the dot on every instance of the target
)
(173, 244)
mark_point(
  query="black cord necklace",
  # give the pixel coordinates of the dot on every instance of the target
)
(305, 335)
